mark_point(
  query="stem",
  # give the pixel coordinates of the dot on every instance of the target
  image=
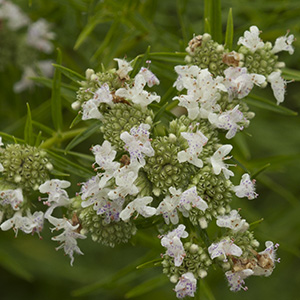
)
(61, 136)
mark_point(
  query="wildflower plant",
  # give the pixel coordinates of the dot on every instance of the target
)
(170, 175)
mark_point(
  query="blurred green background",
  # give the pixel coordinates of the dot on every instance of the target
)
(90, 33)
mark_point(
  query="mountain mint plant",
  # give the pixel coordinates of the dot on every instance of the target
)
(177, 180)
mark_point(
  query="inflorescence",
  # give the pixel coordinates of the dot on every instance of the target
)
(180, 179)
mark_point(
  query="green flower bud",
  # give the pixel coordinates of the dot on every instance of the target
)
(122, 117)
(26, 166)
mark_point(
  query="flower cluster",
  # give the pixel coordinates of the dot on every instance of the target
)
(24, 42)
(178, 179)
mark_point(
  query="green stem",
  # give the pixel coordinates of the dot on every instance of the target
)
(61, 136)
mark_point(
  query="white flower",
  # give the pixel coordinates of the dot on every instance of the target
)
(104, 156)
(196, 142)
(149, 77)
(201, 92)
(137, 94)
(190, 199)
(140, 206)
(224, 247)
(30, 224)
(168, 207)
(11, 197)
(125, 178)
(284, 43)
(45, 67)
(251, 39)
(236, 279)
(1, 143)
(186, 76)
(246, 188)
(186, 285)
(103, 95)
(68, 237)
(124, 68)
(39, 36)
(266, 260)
(174, 246)
(230, 120)
(1, 168)
(239, 83)
(137, 143)
(12, 13)
(90, 110)
(111, 209)
(217, 161)
(55, 190)
(233, 221)
(278, 85)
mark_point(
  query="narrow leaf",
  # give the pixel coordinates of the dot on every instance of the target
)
(255, 223)
(55, 98)
(68, 166)
(28, 130)
(290, 74)
(206, 18)
(206, 290)
(216, 20)
(38, 139)
(76, 120)
(147, 286)
(74, 76)
(83, 136)
(264, 103)
(229, 31)
(260, 170)
(149, 264)
(11, 138)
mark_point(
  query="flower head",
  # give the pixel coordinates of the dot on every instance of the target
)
(251, 39)
(137, 143)
(284, 43)
(174, 246)
(230, 120)
(224, 247)
(233, 221)
(196, 142)
(12, 197)
(246, 188)
(217, 161)
(68, 237)
(236, 279)
(124, 67)
(140, 206)
(278, 85)
(149, 77)
(186, 285)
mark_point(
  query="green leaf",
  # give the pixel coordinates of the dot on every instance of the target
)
(206, 290)
(76, 120)
(93, 22)
(55, 97)
(255, 223)
(150, 264)
(83, 136)
(147, 286)
(177, 57)
(38, 139)
(9, 262)
(28, 131)
(207, 7)
(107, 40)
(74, 76)
(290, 74)
(216, 21)
(264, 103)
(43, 127)
(229, 31)
(69, 166)
(260, 170)
(11, 138)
